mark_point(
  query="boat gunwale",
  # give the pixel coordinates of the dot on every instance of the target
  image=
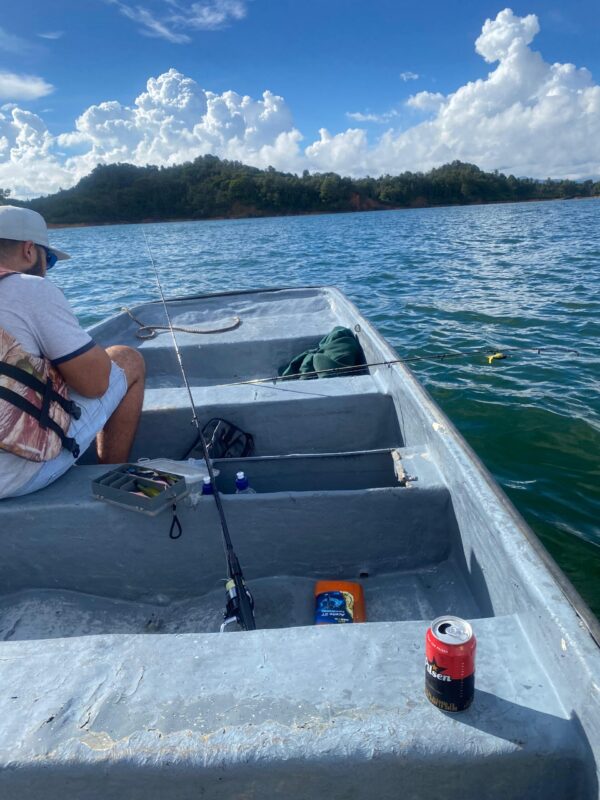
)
(575, 600)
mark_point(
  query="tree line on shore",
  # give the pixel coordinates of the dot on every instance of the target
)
(210, 187)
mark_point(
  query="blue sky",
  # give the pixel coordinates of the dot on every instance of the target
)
(351, 67)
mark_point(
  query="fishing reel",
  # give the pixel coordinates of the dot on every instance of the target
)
(232, 609)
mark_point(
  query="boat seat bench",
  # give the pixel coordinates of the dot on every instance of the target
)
(304, 318)
(318, 533)
(295, 417)
(207, 362)
(302, 712)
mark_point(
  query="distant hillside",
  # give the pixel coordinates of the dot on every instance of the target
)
(211, 188)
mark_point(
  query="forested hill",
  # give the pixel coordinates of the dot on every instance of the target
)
(209, 188)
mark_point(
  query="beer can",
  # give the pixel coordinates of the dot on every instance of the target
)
(450, 663)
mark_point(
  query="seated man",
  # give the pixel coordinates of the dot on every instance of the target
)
(91, 392)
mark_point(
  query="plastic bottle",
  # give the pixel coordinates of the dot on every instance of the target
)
(241, 484)
(207, 487)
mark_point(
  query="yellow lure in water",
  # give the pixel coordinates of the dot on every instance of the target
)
(495, 357)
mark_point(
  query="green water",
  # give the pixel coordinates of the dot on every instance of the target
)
(432, 280)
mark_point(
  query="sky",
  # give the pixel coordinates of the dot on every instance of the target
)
(359, 87)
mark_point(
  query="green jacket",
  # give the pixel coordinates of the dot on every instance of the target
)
(340, 348)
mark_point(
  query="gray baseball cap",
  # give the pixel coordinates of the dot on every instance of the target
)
(25, 225)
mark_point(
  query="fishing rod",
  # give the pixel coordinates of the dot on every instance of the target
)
(487, 352)
(491, 354)
(240, 605)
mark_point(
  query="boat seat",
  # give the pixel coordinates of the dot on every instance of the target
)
(323, 416)
(301, 712)
(300, 313)
(70, 540)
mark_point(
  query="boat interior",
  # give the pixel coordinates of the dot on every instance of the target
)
(329, 501)
(357, 477)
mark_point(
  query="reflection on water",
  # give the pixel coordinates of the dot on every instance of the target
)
(505, 276)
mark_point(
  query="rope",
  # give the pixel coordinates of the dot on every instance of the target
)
(152, 329)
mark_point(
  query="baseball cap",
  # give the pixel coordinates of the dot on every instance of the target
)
(25, 225)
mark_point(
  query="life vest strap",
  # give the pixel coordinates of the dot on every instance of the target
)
(68, 442)
(46, 390)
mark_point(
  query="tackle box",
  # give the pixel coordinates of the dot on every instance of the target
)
(123, 487)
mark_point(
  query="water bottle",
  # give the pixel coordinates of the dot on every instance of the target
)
(241, 484)
(207, 487)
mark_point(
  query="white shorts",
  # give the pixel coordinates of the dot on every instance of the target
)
(95, 412)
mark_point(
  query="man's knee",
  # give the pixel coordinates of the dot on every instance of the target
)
(130, 360)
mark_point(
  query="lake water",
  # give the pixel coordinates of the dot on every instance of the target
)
(432, 280)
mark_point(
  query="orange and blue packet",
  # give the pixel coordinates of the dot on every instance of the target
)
(339, 602)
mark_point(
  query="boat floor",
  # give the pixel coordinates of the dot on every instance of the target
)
(281, 602)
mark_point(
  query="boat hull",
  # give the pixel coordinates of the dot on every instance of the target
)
(121, 685)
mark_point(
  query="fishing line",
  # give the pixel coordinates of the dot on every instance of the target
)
(239, 601)
(490, 354)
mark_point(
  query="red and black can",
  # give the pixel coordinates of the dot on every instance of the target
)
(450, 663)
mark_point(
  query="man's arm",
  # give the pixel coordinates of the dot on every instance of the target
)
(88, 374)
(84, 365)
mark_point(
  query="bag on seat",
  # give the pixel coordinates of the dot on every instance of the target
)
(223, 440)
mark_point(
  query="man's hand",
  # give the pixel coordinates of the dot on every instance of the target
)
(88, 374)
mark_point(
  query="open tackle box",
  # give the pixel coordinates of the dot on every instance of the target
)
(141, 487)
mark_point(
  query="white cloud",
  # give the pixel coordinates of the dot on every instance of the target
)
(175, 120)
(176, 18)
(426, 101)
(527, 116)
(208, 15)
(346, 153)
(52, 35)
(28, 165)
(150, 25)
(358, 116)
(23, 87)
(505, 35)
(408, 76)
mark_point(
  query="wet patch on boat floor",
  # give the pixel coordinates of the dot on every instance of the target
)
(281, 602)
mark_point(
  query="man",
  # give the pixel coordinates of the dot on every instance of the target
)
(106, 386)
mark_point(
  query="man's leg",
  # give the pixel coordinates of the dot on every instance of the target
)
(113, 444)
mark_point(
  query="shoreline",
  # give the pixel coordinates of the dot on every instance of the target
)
(61, 225)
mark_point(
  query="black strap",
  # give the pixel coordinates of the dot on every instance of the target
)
(175, 524)
(44, 417)
(24, 405)
(43, 389)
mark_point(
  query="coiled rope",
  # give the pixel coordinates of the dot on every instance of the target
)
(150, 331)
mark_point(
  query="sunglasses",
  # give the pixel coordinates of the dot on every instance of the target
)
(51, 258)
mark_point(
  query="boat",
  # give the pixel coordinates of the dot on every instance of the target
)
(117, 682)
